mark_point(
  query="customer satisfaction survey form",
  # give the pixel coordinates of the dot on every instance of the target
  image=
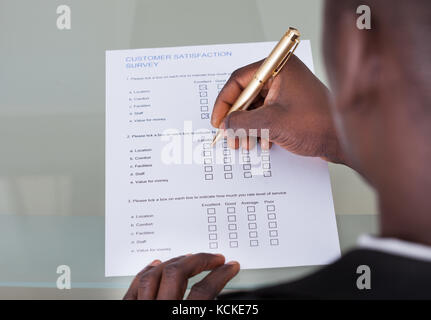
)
(169, 193)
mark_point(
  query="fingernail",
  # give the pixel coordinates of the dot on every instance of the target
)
(189, 254)
(155, 263)
(233, 262)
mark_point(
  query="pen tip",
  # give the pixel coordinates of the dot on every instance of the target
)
(214, 140)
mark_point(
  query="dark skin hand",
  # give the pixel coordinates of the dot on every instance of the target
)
(168, 280)
(294, 106)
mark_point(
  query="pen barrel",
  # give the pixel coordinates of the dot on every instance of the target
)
(247, 96)
(278, 56)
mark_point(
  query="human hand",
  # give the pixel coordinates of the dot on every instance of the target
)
(168, 280)
(294, 107)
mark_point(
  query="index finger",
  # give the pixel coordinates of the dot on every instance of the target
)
(175, 275)
(239, 79)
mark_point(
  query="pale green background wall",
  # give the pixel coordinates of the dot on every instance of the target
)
(52, 88)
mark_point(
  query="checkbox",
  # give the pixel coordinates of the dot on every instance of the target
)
(203, 94)
(226, 152)
(211, 210)
(204, 101)
(225, 143)
(212, 236)
(270, 208)
(208, 169)
(267, 174)
(228, 175)
(227, 167)
(233, 244)
(208, 161)
(272, 225)
(212, 227)
(231, 226)
(251, 209)
(203, 87)
(251, 217)
(204, 108)
(252, 234)
(227, 159)
(274, 242)
(211, 219)
(246, 166)
(205, 115)
(265, 157)
(206, 145)
(247, 174)
(252, 226)
(273, 233)
(230, 209)
(213, 245)
(209, 176)
(271, 216)
(266, 166)
(233, 235)
(207, 153)
(231, 218)
(246, 158)
(254, 243)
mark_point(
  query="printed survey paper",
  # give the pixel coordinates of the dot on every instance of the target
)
(169, 193)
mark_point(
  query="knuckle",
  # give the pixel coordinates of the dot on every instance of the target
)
(172, 270)
(236, 74)
(145, 280)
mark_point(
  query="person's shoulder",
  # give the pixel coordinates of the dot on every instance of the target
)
(359, 274)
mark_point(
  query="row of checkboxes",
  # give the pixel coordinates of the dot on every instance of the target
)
(212, 228)
(246, 164)
(266, 164)
(228, 175)
(207, 154)
(272, 225)
(232, 227)
(203, 95)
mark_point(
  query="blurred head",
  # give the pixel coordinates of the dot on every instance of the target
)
(381, 79)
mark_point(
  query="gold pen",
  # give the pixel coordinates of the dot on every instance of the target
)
(269, 68)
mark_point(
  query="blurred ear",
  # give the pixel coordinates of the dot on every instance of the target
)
(357, 65)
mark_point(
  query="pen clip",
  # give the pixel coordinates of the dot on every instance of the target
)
(283, 62)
